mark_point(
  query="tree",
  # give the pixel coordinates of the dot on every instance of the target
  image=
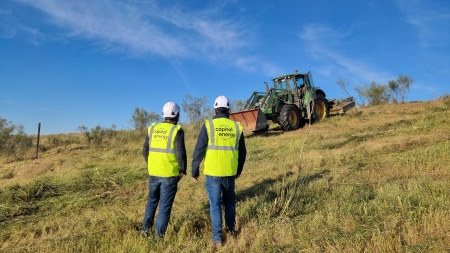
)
(97, 134)
(343, 86)
(361, 94)
(87, 134)
(237, 105)
(394, 87)
(376, 94)
(400, 87)
(196, 109)
(6, 132)
(13, 139)
(404, 83)
(141, 119)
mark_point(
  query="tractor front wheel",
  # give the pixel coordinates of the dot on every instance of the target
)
(290, 117)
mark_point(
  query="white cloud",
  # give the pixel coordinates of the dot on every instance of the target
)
(147, 28)
(5, 12)
(256, 64)
(431, 19)
(114, 26)
(14, 104)
(37, 37)
(321, 42)
(9, 102)
(6, 31)
(184, 76)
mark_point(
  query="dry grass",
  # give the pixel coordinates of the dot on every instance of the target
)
(373, 180)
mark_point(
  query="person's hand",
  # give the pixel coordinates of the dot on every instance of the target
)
(181, 176)
(195, 178)
(237, 176)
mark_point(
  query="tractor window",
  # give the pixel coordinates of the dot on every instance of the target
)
(290, 84)
(280, 84)
(284, 84)
(300, 82)
(311, 82)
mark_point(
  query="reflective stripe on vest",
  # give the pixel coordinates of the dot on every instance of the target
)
(213, 145)
(221, 157)
(162, 160)
(168, 148)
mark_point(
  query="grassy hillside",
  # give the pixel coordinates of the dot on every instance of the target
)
(374, 180)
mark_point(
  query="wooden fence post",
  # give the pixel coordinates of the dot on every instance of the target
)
(38, 137)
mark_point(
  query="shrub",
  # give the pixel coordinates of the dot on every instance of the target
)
(95, 135)
(14, 143)
(376, 94)
(446, 99)
(196, 109)
(141, 119)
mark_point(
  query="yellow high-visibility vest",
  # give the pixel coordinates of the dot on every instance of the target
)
(162, 160)
(221, 157)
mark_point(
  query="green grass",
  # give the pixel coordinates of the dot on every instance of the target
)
(373, 180)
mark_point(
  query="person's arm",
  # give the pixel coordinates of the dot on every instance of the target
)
(199, 152)
(180, 151)
(242, 155)
(146, 149)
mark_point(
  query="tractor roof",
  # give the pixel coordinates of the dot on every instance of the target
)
(287, 75)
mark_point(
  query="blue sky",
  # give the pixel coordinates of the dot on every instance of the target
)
(70, 63)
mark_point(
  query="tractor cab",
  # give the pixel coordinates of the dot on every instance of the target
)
(298, 86)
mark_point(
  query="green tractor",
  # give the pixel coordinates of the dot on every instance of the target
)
(291, 102)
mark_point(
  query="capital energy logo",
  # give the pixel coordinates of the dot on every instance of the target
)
(160, 134)
(225, 132)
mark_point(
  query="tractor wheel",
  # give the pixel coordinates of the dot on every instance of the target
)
(290, 117)
(321, 109)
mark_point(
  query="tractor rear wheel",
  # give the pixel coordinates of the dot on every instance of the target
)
(290, 117)
(321, 109)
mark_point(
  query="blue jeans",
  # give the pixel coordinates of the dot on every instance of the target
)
(162, 190)
(221, 190)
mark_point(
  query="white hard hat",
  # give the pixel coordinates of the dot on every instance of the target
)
(170, 110)
(222, 101)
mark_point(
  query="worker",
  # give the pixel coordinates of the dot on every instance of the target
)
(165, 153)
(221, 143)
